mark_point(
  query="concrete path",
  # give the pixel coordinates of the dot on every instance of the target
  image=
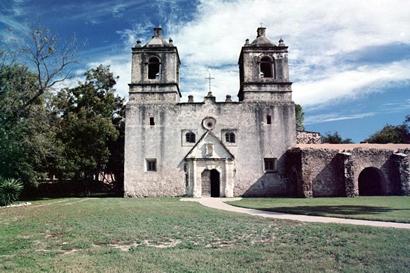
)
(218, 203)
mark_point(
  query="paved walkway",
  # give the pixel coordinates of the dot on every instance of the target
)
(218, 203)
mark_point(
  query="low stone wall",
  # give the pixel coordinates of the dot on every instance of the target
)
(305, 137)
(334, 170)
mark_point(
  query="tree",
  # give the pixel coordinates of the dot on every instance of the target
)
(26, 142)
(87, 120)
(300, 116)
(335, 138)
(50, 62)
(392, 134)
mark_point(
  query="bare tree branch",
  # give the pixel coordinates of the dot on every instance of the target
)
(49, 58)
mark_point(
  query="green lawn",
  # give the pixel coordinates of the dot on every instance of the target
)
(166, 235)
(381, 208)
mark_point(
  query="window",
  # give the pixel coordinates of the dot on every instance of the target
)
(151, 121)
(268, 119)
(230, 137)
(151, 165)
(266, 68)
(270, 164)
(153, 68)
(190, 137)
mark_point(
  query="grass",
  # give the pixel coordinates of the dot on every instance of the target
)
(166, 235)
(380, 208)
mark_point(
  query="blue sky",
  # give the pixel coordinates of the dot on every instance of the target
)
(349, 60)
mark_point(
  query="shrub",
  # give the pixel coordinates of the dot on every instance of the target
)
(10, 190)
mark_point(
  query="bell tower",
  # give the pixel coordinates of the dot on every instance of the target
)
(155, 70)
(263, 70)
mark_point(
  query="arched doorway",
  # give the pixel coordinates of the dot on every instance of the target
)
(370, 182)
(210, 183)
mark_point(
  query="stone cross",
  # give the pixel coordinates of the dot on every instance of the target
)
(209, 78)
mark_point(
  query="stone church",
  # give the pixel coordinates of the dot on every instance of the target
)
(237, 148)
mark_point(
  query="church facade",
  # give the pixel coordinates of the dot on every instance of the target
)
(208, 148)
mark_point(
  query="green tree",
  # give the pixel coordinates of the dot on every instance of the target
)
(26, 143)
(300, 116)
(392, 134)
(335, 138)
(87, 120)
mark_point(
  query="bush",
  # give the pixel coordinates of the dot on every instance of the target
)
(10, 190)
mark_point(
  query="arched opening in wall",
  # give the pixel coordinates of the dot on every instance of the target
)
(153, 68)
(370, 182)
(215, 183)
(266, 67)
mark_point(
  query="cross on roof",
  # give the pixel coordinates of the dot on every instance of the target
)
(209, 78)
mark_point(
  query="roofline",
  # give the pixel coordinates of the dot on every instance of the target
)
(208, 132)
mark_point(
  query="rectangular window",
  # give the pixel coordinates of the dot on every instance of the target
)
(151, 165)
(268, 119)
(270, 164)
(151, 121)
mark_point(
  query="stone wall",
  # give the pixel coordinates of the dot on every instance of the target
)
(334, 170)
(255, 140)
(305, 137)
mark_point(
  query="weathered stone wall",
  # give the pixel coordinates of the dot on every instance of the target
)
(255, 140)
(402, 164)
(321, 173)
(305, 137)
(334, 170)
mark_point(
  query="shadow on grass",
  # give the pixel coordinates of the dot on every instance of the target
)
(333, 210)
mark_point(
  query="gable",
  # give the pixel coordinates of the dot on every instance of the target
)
(209, 146)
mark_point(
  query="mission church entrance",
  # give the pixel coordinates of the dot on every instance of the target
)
(211, 185)
(209, 168)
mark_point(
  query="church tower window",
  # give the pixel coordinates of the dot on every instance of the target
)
(151, 165)
(151, 121)
(268, 119)
(190, 137)
(153, 68)
(266, 66)
(230, 137)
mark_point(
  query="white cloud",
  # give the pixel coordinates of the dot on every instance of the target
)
(350, 83)
(317, 32)
(314, 119)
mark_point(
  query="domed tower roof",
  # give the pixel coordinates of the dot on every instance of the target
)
(157, 40)
(261, 40)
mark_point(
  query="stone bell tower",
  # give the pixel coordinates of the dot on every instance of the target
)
(263, 70)
(155, 70)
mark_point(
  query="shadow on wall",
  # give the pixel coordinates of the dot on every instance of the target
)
(332, 210)
(270, 183)
(391, 175)
(330, 180)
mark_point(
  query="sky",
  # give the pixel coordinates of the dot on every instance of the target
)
(349, 60)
